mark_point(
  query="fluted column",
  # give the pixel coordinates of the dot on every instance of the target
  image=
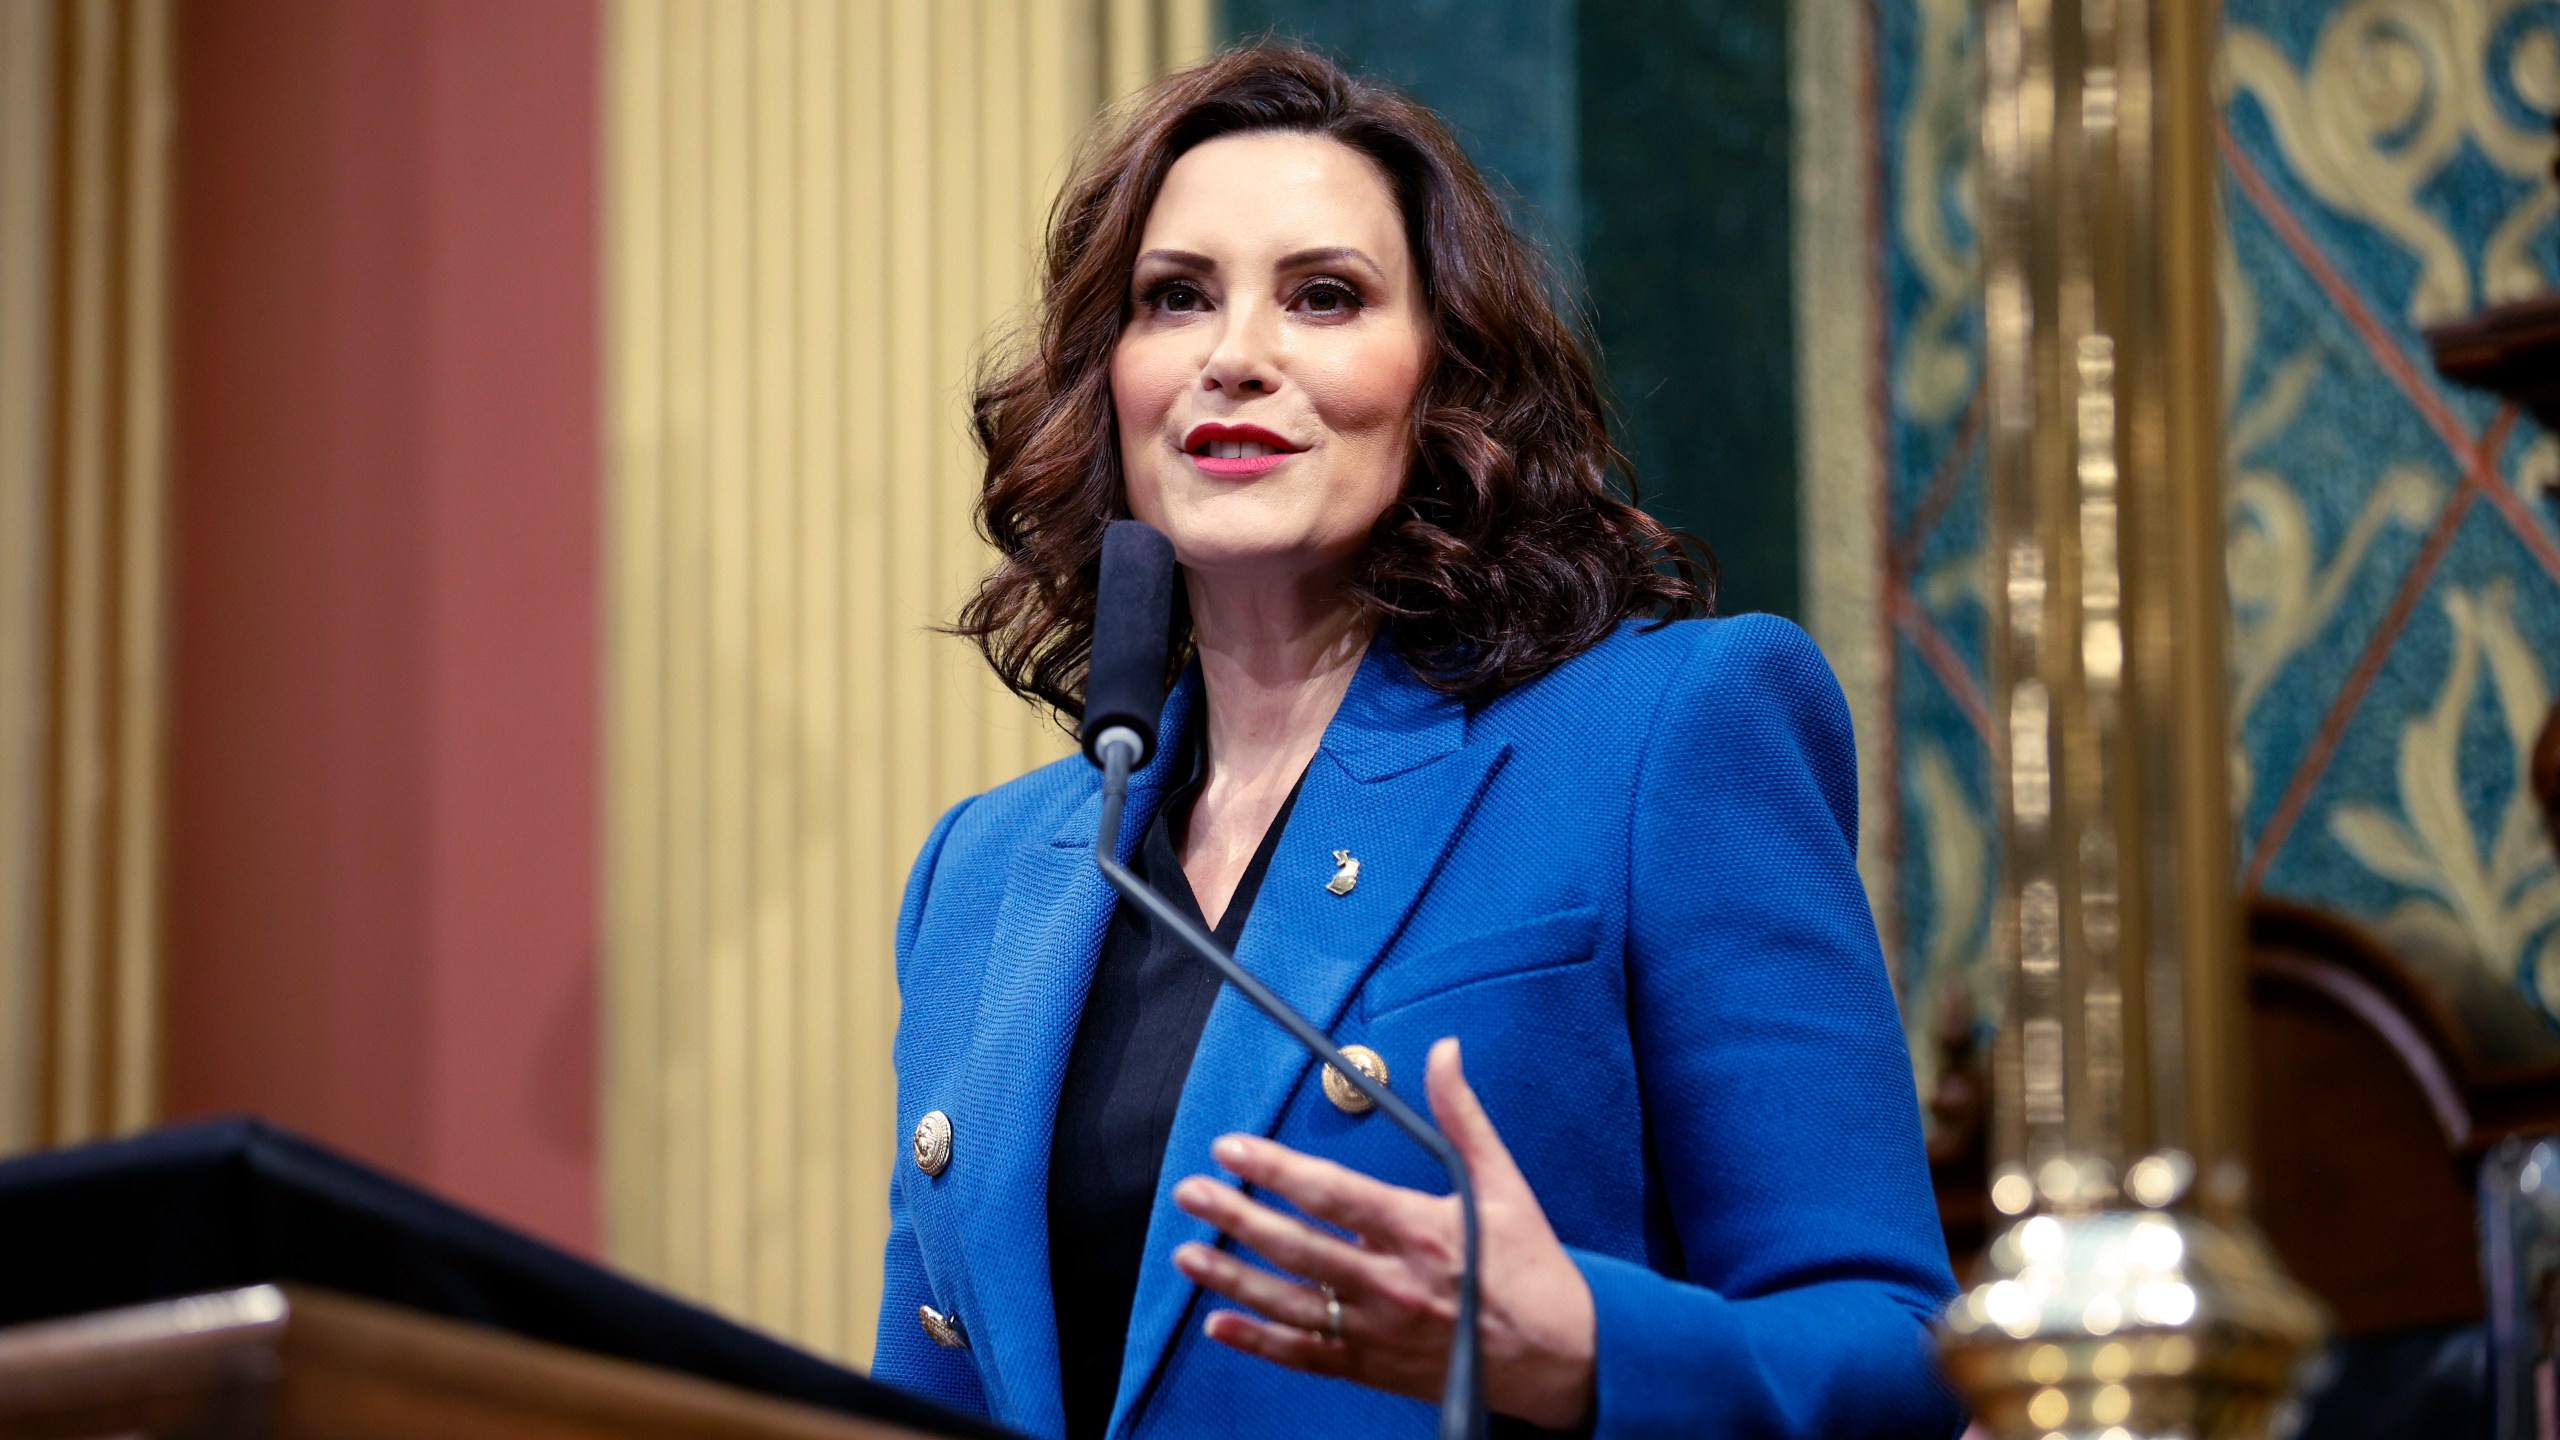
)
(84, 186)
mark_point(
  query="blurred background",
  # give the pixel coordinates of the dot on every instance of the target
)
(477, 478)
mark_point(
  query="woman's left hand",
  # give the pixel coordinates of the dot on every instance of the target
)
(1398, 1287)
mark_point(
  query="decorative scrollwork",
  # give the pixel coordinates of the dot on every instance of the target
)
(2493, 901)
(2283, 592)
(1934, 206)
(2392, 92)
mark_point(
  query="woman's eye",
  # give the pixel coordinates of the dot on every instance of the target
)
(1327, 298)
(1176, 298)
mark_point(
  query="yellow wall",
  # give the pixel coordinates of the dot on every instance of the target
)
(818, 214)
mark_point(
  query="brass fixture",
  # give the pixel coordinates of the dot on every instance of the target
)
(2128, 1296)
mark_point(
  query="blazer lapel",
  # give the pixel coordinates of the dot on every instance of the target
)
(1046, 942)
(1393, 784)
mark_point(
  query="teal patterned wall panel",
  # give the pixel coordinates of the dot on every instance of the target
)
(1934, 827)
(2394, 552)
(2395, 559)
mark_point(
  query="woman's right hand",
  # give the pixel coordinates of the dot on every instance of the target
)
(1397, 1288)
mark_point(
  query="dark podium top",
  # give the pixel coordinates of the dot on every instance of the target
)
(236, 1202)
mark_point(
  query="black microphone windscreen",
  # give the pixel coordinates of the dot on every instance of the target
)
(1132, 624)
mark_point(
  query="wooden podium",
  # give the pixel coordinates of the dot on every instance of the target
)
(287, 1362)
(227, 1278)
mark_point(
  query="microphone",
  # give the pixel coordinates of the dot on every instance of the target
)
(1132, 624)
(1124, 697)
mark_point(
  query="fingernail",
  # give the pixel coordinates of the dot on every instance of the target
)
(1232, 1148)
(1190, 1256)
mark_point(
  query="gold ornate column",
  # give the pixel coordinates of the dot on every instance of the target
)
(818, 213)
(2130, 1298)
(84, 143)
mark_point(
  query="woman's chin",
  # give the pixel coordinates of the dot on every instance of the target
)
(1225, 556)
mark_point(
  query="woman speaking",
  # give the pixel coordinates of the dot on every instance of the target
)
(1447, 771)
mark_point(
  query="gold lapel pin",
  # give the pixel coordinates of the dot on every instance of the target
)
(1346, 873)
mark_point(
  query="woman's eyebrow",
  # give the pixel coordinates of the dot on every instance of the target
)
(1306, 259)
(1327, 255)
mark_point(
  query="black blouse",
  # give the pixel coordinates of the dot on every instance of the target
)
(1142, 1021)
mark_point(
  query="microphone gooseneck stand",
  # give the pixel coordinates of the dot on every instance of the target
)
(1462, 1396)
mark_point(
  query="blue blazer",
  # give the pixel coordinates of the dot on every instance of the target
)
(1629, 888)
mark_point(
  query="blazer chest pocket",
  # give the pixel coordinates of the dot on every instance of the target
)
(1550, 942)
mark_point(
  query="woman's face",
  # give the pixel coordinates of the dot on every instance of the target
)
(1275, 340)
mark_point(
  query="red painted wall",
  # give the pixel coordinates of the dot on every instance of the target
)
(383, 759)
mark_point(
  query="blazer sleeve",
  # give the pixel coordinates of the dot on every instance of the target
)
(901, 1353)
(1778, 1097)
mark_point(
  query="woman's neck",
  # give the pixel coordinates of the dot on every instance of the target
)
(1275, 662)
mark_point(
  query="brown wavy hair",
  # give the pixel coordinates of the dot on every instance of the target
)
(1508, 553)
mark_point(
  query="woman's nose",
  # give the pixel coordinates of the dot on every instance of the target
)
(1245, 359)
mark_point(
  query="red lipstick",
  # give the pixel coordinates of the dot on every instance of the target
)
(1236, 451)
